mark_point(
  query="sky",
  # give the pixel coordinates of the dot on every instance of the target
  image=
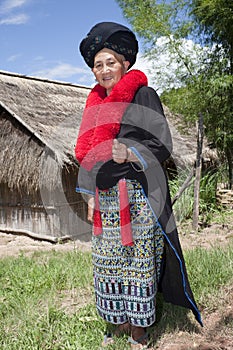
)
(41, 37)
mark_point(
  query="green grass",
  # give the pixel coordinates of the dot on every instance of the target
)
(47, 303)
(209, 271)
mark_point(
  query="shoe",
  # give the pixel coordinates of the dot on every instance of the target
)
(108, 340)
(121, 329)
(137, 344)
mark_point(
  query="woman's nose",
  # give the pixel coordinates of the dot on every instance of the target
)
(105, 68)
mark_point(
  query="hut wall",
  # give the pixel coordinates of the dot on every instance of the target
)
(18, 210)
(73, 213)
(55, 217)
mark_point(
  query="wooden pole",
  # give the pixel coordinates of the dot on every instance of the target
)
(200, 137)
(35, 235)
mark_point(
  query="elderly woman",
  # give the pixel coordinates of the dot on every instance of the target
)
(122, 143)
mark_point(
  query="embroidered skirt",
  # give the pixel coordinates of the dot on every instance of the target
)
(126, 277)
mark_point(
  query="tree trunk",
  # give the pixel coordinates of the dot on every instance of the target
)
(35, 235)
(200, 136)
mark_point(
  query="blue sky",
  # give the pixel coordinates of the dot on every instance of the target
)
(41, 37)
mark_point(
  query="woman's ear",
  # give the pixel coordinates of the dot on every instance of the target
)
(93, 71)
(126, 65)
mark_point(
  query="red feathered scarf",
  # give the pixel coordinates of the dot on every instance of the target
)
(102, 118)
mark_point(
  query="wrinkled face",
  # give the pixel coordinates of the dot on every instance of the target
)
(109, 68)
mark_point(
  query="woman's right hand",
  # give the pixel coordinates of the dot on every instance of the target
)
(90, 209)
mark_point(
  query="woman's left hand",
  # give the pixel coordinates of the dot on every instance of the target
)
(90, 210)
(119, 152)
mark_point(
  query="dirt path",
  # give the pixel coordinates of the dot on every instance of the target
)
(217, 333)
(13, 245)
(216, 234)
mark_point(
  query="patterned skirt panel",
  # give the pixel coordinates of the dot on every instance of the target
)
(126, 277)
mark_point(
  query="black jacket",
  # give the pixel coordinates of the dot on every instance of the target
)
(145, 130)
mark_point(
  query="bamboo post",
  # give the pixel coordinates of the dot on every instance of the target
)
(200, 137)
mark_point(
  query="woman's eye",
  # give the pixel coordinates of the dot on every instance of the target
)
(98, 66)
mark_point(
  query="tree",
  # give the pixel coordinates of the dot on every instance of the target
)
(207, 79)
(215, 19)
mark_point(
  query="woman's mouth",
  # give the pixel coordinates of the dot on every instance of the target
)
(107, 78)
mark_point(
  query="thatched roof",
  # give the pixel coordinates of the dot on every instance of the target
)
(185, 143)
(41, 117)
(44, 118)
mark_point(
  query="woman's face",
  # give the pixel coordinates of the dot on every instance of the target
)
(108, 69)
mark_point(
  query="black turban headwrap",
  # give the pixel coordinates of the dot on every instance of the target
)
(109, 35)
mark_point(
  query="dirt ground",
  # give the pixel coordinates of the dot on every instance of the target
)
(217, 333)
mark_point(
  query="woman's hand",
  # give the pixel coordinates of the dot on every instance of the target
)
(119, 152)
(122, 154)
(90, 209)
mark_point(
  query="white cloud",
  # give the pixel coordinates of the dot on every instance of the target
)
(15, 19)
(66, 71)
(165, 69)
(39, 58)
(145, 66)
(9, 17)
(9, 5)
(14, 58)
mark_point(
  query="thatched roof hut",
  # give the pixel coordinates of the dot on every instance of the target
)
(39, 120)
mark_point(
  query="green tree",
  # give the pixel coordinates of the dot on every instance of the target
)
(206, 80)
(215, 19)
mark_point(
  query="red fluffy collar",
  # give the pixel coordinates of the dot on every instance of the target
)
(102, 117)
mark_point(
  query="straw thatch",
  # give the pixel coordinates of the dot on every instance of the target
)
(38, 118)
(185, 144)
